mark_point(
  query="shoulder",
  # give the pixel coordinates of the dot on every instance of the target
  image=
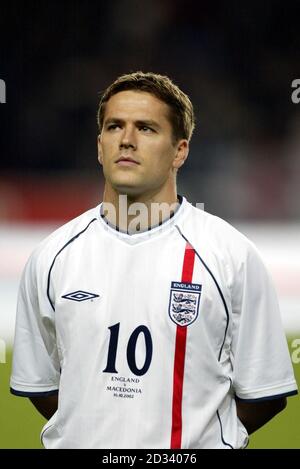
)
(56, 241)
(229, 254)
(224, 249)
(217, 235)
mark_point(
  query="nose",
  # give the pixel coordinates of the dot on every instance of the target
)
(128, 138)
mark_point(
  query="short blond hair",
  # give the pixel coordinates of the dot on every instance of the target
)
(181, 114)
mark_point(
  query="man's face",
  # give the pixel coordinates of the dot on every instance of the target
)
(135, 146)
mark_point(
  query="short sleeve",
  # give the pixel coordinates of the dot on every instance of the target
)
(262, 367)
(36, 368)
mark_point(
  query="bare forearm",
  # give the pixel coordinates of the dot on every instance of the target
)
(47, 406)
(255, 415)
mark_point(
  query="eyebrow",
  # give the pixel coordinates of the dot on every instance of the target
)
(140, 122)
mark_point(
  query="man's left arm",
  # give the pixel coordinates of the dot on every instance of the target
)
(254, 415)
(262, 369)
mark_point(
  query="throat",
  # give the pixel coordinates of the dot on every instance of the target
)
(137, 217)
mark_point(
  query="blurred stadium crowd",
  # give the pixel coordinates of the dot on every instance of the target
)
(236, 60)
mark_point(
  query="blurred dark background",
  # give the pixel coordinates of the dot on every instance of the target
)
(236, 61)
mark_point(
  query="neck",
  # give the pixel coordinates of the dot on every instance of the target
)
(133, 213)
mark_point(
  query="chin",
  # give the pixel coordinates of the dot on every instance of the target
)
(125, 185)
(130, 190)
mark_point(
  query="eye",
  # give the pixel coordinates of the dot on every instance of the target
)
(146, 129)
(113, 126)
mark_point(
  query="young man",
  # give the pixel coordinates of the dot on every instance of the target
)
(160, 330)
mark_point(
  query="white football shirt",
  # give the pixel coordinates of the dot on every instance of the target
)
(148, 337)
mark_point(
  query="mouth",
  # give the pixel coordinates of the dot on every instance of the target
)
(126, 161)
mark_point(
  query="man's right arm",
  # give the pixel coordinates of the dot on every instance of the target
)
(36, 365)
(47, 406)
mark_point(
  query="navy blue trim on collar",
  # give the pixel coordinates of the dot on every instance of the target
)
(116, 228)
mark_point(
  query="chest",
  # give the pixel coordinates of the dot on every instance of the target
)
(151, 289)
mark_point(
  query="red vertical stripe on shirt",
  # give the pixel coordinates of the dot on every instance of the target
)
(180, 346)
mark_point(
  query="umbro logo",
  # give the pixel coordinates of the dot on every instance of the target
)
(80, 295)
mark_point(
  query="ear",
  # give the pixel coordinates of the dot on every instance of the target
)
(100, 159)
(182, 151)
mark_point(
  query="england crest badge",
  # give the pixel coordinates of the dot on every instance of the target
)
(184, 302)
